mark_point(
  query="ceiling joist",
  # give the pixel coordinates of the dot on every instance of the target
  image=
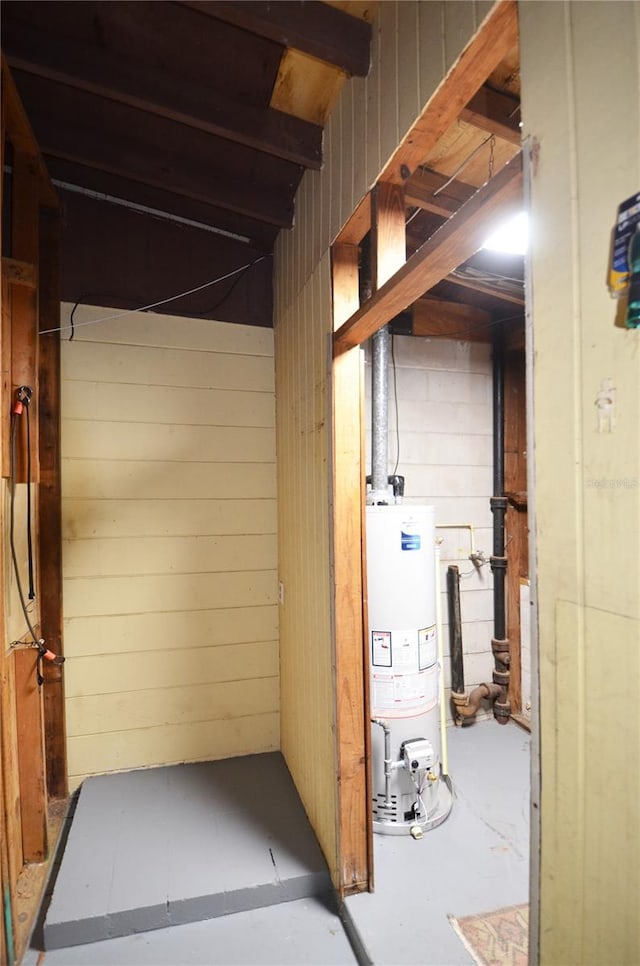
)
(494, 41)
(436, 193)
(496, 113)
(92, 69)
(487, 288)
(439, 318)
(154, 151)
(454, 243)
(307, 25)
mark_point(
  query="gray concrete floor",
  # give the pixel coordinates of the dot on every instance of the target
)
(477, 861)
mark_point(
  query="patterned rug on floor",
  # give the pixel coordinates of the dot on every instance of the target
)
(499, 938)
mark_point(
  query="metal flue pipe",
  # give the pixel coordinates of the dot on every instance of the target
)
(380, 415)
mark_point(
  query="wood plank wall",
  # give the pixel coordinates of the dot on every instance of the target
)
(414, 44)
(169, 554)
(580, 82)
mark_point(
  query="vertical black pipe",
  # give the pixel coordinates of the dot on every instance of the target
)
(455, 630)
(499, 644)
(498, 416)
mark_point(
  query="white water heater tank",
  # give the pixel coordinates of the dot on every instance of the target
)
(408, 792)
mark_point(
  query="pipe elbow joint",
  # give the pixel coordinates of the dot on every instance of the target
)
(466, 706)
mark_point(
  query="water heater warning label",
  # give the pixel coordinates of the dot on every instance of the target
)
(410, 541)
(381, 648)
(427, 647)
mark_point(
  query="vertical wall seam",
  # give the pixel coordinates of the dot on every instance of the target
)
(578, 391)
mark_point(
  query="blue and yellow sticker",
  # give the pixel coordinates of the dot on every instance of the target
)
(627, 219)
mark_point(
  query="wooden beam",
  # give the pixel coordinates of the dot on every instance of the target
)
(388, 234)
(19, 273)
(31, 766)
(19, 131)
(440, 318)
(451, 245)
(89, 68)
(495, 113)
(312, 27)
(80, 127)
(345, 281)
(426, 189)
(49, 504)
(355, 828)
(497, 36)
(5, 363)
(358, 225)
(486, 288)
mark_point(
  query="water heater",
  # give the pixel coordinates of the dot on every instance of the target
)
(409, 793)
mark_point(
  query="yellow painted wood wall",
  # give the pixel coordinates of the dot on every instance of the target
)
(169, 517)
(414, 44)
(580, 83)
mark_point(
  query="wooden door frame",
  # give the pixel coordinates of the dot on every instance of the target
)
(353, 324)
(32, 734)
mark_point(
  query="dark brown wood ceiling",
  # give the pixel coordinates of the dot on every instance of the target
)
(181, 108)
(177, 134)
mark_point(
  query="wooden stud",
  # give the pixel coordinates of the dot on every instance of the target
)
(24, 305)
(17, 128)
(451, 245)
(49, 505)
(497, 36)
(515, 442)
(31, 765)
(5, 387)
(9, 762)
(388, 235)
(355, 828)
(19, 273)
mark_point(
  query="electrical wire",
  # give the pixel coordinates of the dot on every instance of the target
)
(153, 305)
(32, 591)
(463, 165)
(228, 293)
(14, 556)
(84, 298)
(475, 275)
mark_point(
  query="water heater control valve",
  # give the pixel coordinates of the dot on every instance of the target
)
(418, 755)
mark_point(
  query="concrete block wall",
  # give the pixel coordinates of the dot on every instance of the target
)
(444, 430)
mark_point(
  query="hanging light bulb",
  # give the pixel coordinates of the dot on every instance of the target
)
(512, 237)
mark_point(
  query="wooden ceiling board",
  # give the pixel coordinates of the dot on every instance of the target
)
(312, 27)
(506, 76)
(80, 127)
(81, 111)
(457, 145)
(92, 69)
(161, 36)
(364, 9)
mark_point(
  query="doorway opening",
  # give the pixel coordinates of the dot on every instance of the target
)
(411, 260)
